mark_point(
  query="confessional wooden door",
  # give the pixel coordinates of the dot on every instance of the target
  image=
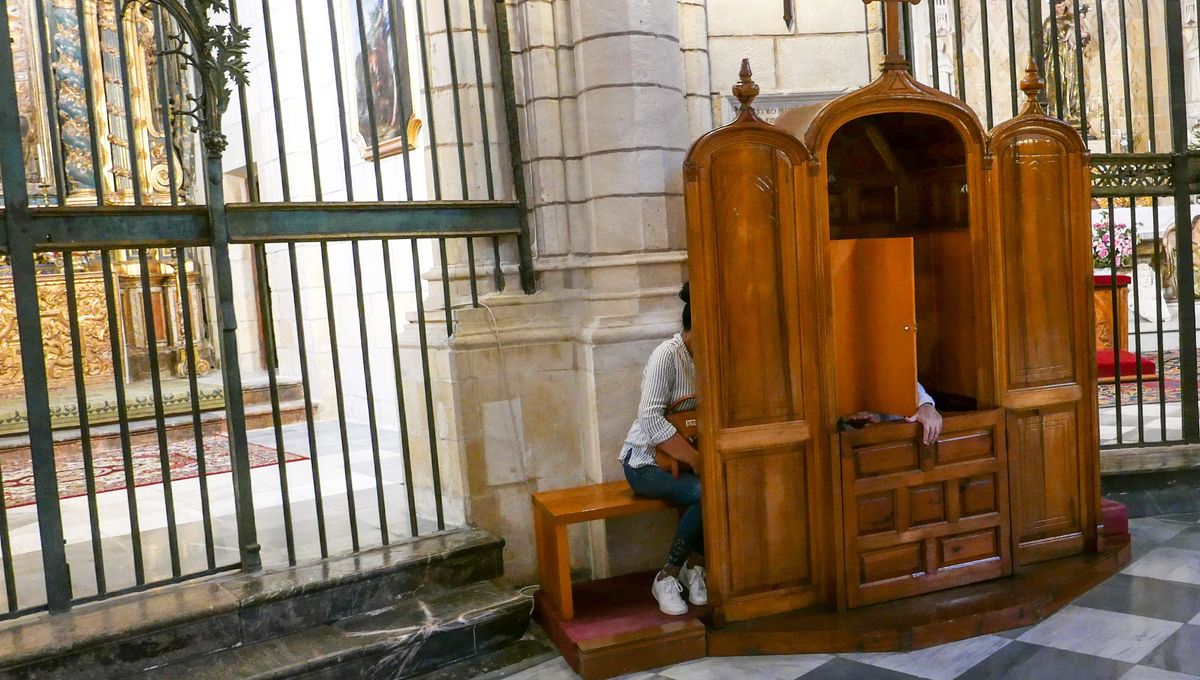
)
(1045, 342)
(752, 272)
(923, 517)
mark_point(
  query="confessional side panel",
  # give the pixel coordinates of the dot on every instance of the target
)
(1043, 346)
(755, 439)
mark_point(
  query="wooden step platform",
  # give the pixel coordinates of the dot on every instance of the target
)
(926, 620)
(618, 629)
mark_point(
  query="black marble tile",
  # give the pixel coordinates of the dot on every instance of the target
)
(1154, 598)
(845, 669)
(1022, 661)
(1179, 653)
(1014, 633)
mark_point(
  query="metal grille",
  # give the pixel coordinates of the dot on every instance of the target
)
(258, 293)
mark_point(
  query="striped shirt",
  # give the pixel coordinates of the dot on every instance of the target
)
(670, 375)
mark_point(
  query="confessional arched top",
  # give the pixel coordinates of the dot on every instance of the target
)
(842, 255)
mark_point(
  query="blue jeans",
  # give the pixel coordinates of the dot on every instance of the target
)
(654, 482)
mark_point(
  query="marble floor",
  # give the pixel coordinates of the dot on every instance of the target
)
(1140, 624)
(117, 546)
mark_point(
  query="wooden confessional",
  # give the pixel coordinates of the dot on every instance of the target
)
(836, 258)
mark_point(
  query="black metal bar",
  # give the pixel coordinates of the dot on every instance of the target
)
(1177, 87)
(497, 270)
(341, 101)
(1158, 326)
(29, 327)
(6, 560)
(513, 130)
(1151, 132)
(1134, 287)
(430, 425)
(1117, 340)
(339, 396)
(447, 305)
(1037, 46)
(114, 339)
(85, 436)
(51, 97)
(369, 387)
(489, 175)
(1126, 80)
(135, 172)
(906, 22)
(308, 101)
(398, 373)
(1083, 113)
(268, 328)
(458, 126)
(88, 90)
(1056, 60)
(370, 96)
(164, 114)
(189, 347)
(159, 414)
(473, 284)
(1012, 58)
(1104, 85)
(251, 223)
(244, 113)
(277, 106)
(306, 388)
(987, 63)
(933, 46)
(399, 45)
(435, 165)
(958, 51)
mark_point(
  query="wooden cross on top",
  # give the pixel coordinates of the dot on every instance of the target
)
(892, 57)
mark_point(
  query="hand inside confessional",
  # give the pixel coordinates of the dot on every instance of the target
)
(930, 420)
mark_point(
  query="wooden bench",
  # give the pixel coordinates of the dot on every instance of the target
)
(554, 511)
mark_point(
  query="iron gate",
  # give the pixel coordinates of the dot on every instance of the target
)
(123, 260)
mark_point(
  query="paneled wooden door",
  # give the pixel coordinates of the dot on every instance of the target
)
(920, 518)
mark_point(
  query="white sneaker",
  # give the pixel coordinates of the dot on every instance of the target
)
(666, 590)
(693, 580)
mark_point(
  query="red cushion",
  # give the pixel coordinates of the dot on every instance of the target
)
(1115, 517)
(1106, 280)
(1129, 362)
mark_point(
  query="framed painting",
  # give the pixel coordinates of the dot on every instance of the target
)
(383, 116)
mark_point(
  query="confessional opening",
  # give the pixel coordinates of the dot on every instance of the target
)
(903, 275)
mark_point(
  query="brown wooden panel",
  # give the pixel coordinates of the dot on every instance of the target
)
(1036, 227)
(1045, 473)
(759, 356)
(768, 531)
(886, 459)
(977, 496)
(965, 548)
(874, 325)
(876, 512)
(893, 562)
(926, 504)
(965, 446)
(948, 311)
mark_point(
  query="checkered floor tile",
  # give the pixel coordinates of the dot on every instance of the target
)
(1141, 624)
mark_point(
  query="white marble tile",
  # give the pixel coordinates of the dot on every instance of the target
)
(1171, 564)
(943, 662)
(780, 667)
(1151, 673)
(1113, 635)
(556, 669)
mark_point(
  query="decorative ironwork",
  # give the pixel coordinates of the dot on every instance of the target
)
(216, 52)
(1137, 175)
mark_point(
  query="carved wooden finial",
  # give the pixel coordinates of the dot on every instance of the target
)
(1032, 85)
(892, 57)
(745, 89)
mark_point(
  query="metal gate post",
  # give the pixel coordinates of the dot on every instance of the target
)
(20, 243)
(1176, 85)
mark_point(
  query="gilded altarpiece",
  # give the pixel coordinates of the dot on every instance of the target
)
(96, 96)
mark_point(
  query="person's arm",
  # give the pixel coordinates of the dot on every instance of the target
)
(927, 416)
(657, 382)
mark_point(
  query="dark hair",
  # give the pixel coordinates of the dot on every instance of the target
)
(685, 294)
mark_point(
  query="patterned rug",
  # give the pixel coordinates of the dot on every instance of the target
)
(109, 468)
(1151, 392)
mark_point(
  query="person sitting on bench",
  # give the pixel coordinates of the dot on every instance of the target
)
(669, 376)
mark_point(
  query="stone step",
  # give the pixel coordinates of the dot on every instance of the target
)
(131, 634)
(257, 389)
(424, 632)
